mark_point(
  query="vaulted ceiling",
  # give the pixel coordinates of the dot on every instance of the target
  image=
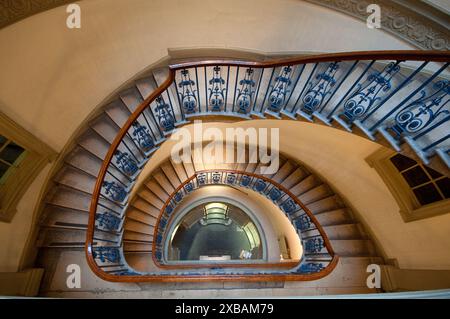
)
(423, 24)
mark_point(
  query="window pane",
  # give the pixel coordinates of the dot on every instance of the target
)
(402, 162)
(2, 141)
(427, 194)
(415, 176)
(444, 186)
(11, 153)
(433, 173)
(3, 169)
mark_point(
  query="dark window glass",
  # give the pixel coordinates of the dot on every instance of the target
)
(427, 194)
(2, 141)
(3, 169)
(415, 176)
(433, 173)
(444, 186)
(11, 153)
(402, 162)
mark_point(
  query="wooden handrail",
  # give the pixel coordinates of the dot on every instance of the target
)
(278, 185)
(413, 55)
(400, 55)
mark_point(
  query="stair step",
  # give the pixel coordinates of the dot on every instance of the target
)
(93, 143)
(139, 216)
(69, 198)
(305, 185)
(345, 231)
(171, 175)
(294, 178)
(84, 160)
(54, 237)
(136, 247)
(73, 178)
(138, 227)
(329, 203)
(131, 98)
(134, 236)
(105, 127)
(284, 172)
(145, 206)
(146, 86)
(315, 194)
(189, 168)
(156, 189)
(251, 167)
(151, 198)
(334, 217)
(259, 169)
(60, 216)
(353, 247)
(162, 180)
(179, 169)
(118, 112)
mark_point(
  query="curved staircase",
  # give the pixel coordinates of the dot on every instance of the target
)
(375, 95)
(346, 235)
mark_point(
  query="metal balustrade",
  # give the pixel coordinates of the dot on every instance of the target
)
(316, 246)
(396, 97)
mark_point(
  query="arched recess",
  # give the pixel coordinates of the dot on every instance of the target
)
(189, 213)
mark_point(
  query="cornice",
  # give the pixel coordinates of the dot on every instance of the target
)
(416, 22)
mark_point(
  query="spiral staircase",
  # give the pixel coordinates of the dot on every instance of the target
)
(346, 236)
(398, 99)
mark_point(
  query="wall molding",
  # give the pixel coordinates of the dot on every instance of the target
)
(38, 154)
(25, 283)
(417, 22)
(410, 208)
(394, 279)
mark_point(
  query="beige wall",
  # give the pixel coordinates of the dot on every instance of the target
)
(14, 235)
(53, 77)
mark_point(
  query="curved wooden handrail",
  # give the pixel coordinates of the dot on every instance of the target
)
(101, 175)
(264, 178)
(410, 55)
(413, 55)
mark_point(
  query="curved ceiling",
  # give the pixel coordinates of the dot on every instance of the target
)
(423, 24)
(48, 69)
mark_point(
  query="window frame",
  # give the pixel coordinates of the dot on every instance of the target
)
(38, 155)
(410, 207)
